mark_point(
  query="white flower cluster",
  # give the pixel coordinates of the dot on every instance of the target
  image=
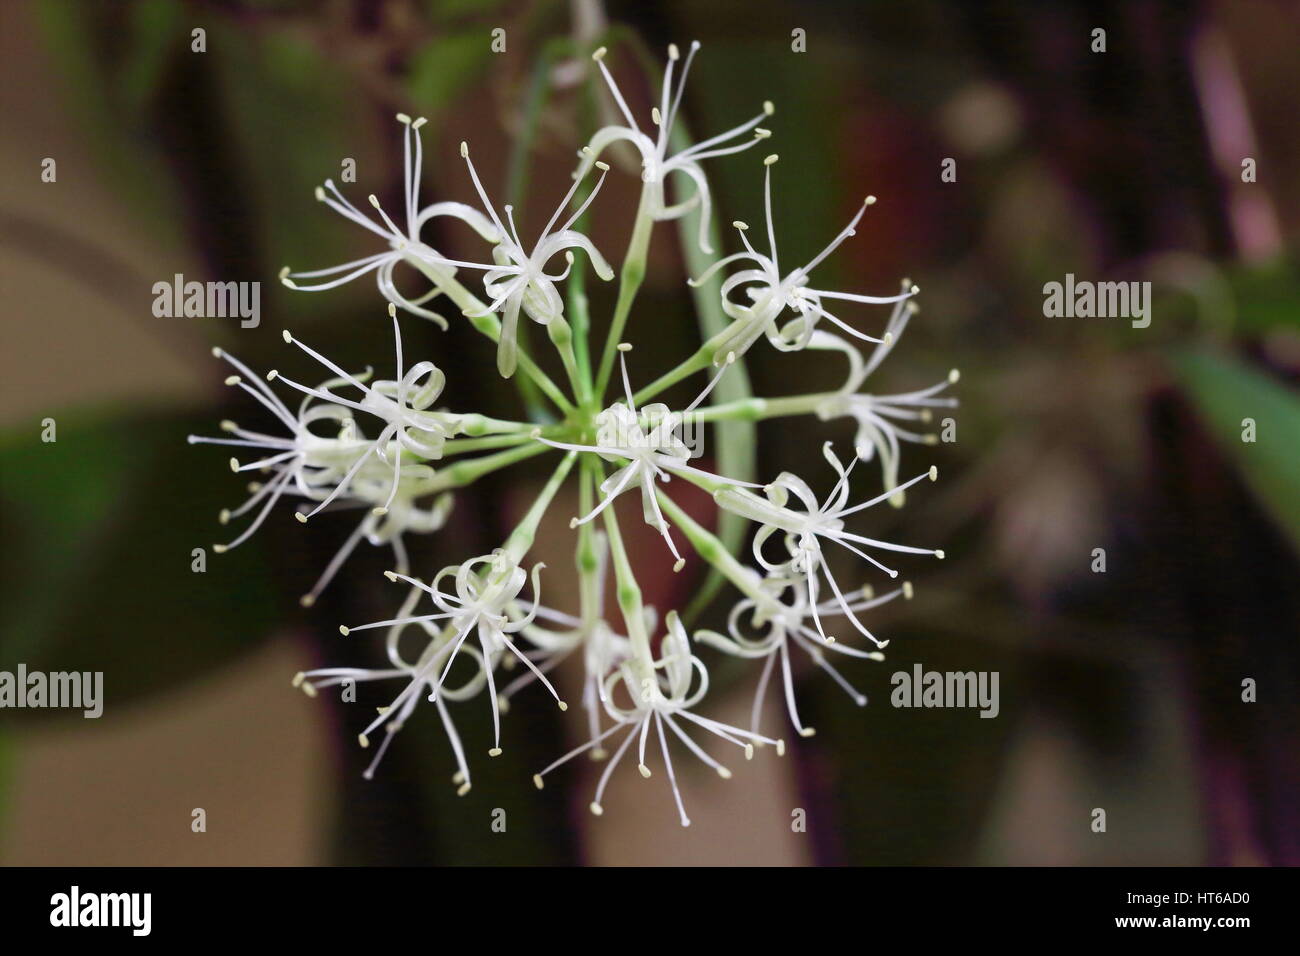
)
(486, 612)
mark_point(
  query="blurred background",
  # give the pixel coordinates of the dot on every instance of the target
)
(1120, 690)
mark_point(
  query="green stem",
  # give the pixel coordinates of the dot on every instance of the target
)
(562, 338)
(580, 312)
(457, 446)
(758, 409)
(466, 472)
(629, 593)
(696, 362)
(474, 425)
(629, 282)
(586, 557)
(711, 549)
(521, 539)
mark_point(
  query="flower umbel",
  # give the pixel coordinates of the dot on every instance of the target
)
(389, 449)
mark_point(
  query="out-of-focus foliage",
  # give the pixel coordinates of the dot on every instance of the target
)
(218, 155)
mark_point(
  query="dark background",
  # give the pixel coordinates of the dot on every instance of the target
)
(1119, 690)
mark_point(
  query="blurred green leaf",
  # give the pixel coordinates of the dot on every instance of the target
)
(1267, 297)
(112, 59)
(290, 113)
(1227, 392)
(105, 519)
(443, 69)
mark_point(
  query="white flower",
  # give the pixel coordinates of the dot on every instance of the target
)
(345, 470)
(781, 623)
(404, 245)
(878, 416)
(661, 694)
(656, 164)
(804, 531)
(482, 600)
(418, 673)
(769, 293)
(517, 279)
(402, 404)
(647, 439)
